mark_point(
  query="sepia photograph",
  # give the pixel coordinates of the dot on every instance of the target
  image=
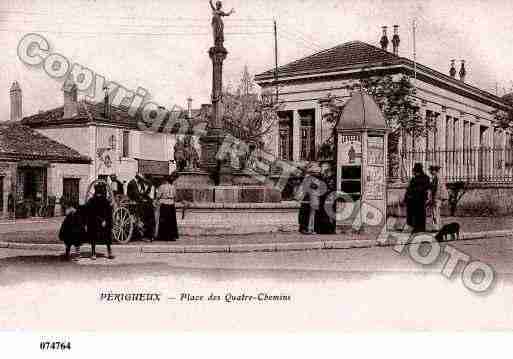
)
(265, 166)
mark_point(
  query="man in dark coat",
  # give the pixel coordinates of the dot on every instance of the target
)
(134, 189)
(99, 220)
(416, 198)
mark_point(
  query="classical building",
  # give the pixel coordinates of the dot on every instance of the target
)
(463, 114)
(109, 136)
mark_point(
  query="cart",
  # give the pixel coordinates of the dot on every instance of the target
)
(126, 224)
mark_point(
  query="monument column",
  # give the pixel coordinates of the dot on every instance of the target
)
(213, 140)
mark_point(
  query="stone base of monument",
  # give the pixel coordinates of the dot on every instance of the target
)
(205, 219)
(197, 187)
(238, 207)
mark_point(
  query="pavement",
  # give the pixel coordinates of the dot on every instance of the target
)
(41, 234)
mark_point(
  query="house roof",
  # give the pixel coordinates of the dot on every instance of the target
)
(360, 55)
(19, 142)
(88, 112)
(361, 112)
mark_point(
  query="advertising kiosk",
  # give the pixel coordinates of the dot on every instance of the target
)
(361, 160)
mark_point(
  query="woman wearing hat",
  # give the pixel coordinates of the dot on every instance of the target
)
(416, 198)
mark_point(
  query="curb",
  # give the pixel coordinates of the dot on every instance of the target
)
(403, 238)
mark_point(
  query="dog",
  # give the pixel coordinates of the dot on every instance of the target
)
(452, 229)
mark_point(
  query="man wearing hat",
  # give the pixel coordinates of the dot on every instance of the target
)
(416, 198)
(438, 195)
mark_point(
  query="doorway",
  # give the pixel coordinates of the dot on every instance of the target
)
(71, 191)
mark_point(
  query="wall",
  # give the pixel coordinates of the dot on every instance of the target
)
(8, 172)
(480, 199)
(58, 171)
(74, 137)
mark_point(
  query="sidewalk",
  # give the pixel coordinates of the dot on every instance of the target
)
(263, 242)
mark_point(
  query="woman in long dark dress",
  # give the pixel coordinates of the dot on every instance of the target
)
(99, 220)
(168, 227)
(415, 198)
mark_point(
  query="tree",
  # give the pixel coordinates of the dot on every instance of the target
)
(248, 116)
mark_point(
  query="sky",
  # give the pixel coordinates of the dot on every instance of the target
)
(162, 45)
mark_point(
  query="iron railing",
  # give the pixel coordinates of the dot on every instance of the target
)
(480, 164)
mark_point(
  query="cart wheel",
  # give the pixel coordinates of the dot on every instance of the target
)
(123, 226)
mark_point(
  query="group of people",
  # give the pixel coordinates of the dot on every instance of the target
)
(155, 207)
(92, 222)
(313, 217)
(425, 193)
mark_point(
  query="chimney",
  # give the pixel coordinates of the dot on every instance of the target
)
(16, 108)
(452, 71)
(189, 107)
(384, 39)
(396, 40)
(462, 72)
(70, 99)
(106, 103)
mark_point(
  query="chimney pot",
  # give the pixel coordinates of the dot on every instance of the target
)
(396, 40)
(384, 39)
(463, 71)
(70, 99)
(189, 107)
(16, 102)
(452, 71)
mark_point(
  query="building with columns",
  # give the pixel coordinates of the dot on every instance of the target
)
(463, 114)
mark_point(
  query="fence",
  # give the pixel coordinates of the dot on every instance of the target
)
(480, 164)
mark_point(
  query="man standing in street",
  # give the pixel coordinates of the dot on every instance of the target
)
(438, 195)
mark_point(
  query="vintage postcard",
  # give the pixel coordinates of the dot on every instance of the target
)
(255, 166)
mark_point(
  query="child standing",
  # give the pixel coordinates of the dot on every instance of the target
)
(73, 231)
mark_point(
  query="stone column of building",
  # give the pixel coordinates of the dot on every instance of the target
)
(475, 144)
(488, 145)
(467, 143)
(296, 135)
(458, 145)
(449, 145)
(441, 158)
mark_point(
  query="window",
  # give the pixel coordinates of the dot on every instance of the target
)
(126, 143)
(112, 142)
(307, 135)
(285, 135)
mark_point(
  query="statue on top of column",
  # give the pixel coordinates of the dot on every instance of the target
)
(217, 22)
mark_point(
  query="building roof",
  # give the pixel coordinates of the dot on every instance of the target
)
(360, 112)
(19, 142)
(93, 112)
(358, 55)
(341, 56)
